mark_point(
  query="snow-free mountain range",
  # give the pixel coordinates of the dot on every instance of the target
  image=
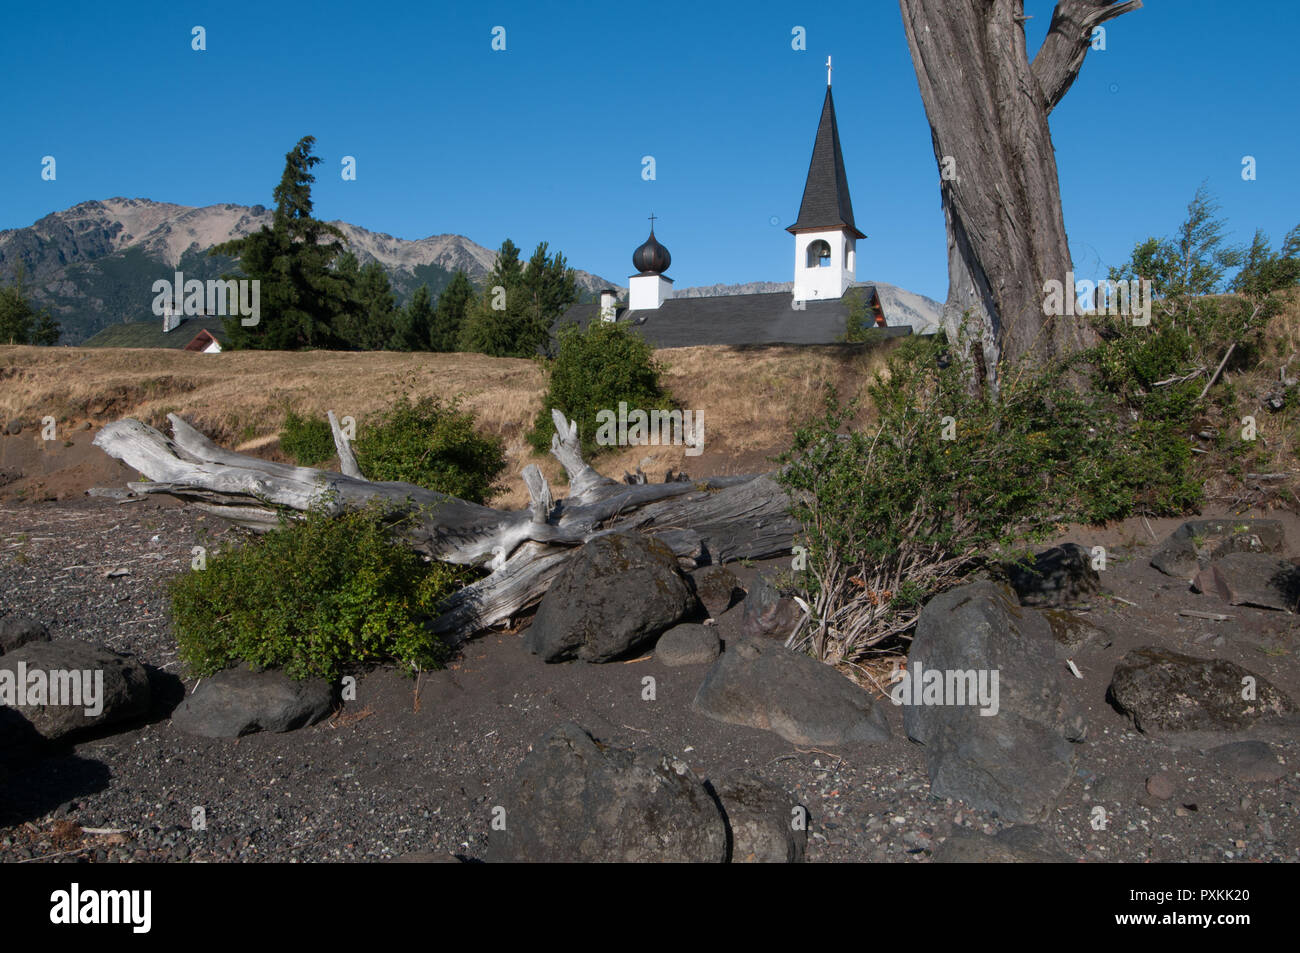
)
(94, 264)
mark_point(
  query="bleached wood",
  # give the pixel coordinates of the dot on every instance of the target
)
(717, 520)
(347, 459)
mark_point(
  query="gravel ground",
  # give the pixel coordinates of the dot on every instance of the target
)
(396, 772)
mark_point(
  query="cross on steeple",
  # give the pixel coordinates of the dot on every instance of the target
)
(652, 221)
(828, 71)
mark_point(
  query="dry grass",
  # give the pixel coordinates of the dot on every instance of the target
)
(750, 398)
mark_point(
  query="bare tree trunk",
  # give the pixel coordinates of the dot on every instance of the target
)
(988, 109)
(719, 519)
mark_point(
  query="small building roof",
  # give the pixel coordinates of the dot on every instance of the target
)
(737, 320)
(150, 333)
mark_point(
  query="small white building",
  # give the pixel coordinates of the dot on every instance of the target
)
(815, 311)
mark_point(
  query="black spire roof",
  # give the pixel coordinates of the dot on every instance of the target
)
(826, 201)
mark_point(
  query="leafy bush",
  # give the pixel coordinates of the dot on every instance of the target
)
(594, 369)
(308, 440)
(431, 444)
(947, 479)
(316, 597)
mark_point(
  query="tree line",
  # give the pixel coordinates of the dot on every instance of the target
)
(315, 293)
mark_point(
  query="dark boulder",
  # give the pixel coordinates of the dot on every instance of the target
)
(717, 588)
(688, 644)
(1057, 577)
(1009, 751)
(1163, 691)
(612, 596)
(576, 799)
(760, 684)
(1196, 542)
(767, 825)
(16, 630)
(240, 701)
(1252, 579)
(81, 686)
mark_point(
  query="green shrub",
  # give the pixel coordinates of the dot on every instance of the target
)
(308, 440)
(317, 596)
(896, 513)
(431, 444)
(593, 370)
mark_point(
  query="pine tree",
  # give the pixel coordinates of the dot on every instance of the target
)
(514, 315)
(375, 306)
(20, 323)
(449, 317)
(301, 294)
(413, 323)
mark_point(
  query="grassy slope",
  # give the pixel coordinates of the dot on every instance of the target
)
(749, 397)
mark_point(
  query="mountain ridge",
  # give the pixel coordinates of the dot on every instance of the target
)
(93, 264)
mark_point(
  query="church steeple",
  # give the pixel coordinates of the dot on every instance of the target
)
(826, 202)
(825, 235)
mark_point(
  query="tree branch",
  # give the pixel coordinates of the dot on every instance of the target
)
(347, 460)
(1060, 58)
(719, 519)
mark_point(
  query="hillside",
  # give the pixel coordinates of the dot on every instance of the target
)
(94, 264)
(750, 400)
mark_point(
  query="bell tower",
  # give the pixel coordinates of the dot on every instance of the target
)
(825, 236)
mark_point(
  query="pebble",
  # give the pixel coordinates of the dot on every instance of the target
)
(1161, 786)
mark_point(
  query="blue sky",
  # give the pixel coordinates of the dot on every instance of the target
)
(544, 140)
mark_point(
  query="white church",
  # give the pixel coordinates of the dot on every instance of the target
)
(825, 268)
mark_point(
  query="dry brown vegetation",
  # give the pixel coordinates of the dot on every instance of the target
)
(750, 398)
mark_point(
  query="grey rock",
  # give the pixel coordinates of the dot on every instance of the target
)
(1248, 761)
(1161, 786)
(763, 685)
(1196, 542)
(1057, 577)
(14, 427)
(766, 824)
(1252, 579)
(717, 588)
(122, 680)
(240, 701)
(576, 799)
(614, 595)
(1074, 633)
(688, 644)
(16, 630)
(767, 612)
(1015, 845)
(1163, 691)
(1017, 761)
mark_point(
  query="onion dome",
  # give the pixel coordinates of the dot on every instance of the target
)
(651, 258)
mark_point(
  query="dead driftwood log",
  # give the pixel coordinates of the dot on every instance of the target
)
(714, 520)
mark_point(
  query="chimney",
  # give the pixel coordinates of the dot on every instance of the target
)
(608, 304)
(171, 320)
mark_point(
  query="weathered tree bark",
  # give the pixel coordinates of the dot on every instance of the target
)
(988, 109)
(716, 520)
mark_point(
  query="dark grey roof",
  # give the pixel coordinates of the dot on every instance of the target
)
(149, 333)
(826, 201)
(738, 320)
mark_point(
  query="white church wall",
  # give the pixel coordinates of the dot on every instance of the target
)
(823, 281)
